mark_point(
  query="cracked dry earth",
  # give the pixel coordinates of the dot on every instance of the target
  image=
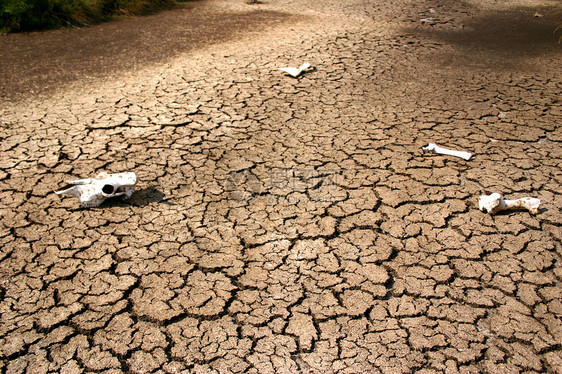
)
(288, 225)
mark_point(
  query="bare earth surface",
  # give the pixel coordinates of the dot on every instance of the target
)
(285, 225)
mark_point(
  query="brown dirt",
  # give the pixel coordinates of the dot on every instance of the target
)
(285, 225)
(38, 62)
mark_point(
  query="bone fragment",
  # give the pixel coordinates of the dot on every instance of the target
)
(92, 192)
(444, 151)
(494, 203)
(295, 72)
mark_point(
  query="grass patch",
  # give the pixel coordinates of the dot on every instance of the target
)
(29, 15)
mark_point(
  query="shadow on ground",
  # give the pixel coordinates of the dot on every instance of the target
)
(38, 62)
(502, 38)
(148, 196)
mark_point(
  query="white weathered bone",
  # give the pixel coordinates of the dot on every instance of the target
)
(444, 151)
(494, 203)
(92, 192)
(295, 72)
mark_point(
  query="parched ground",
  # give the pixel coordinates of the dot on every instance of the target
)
(285, 225)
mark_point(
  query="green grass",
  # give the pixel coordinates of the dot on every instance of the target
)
(28, 15)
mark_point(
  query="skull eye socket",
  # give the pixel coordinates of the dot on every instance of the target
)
(108, 189)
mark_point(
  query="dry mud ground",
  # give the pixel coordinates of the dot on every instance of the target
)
(285, 225)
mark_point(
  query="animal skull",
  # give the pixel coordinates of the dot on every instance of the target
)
(92, 192)
(494, 203)
(444, 151)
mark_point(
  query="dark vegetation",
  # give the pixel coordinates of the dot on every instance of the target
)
(29, 15)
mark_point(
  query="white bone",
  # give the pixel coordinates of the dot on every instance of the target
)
(81, 181)
(295, 72)
(92, 192)
(444, 151)
(494, 203)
